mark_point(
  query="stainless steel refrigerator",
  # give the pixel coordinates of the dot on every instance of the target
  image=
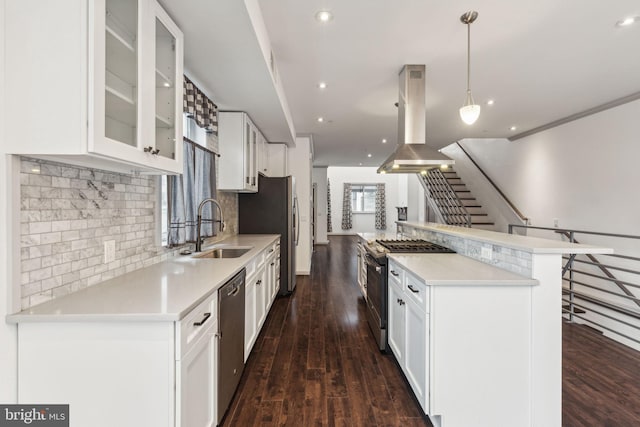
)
(274, 210)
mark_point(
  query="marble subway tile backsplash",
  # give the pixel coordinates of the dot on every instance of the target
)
(68, 212)
(513, 260)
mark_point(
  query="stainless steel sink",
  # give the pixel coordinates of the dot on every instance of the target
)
(223, 252)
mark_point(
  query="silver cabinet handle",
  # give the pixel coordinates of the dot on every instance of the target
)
(412, 289)
(378, 270)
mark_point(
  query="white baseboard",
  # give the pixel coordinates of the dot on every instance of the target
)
(303, 273)
(323, 243)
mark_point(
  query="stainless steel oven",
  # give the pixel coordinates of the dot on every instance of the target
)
(377, 299)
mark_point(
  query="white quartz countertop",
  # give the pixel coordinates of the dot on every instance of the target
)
(534, 245)
(454, 269)
(165, 291)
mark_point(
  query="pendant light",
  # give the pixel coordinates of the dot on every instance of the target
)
(470, 111)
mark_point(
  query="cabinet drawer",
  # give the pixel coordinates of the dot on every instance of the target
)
(272, 251)
(417, 291)
(395, 273)
(196, 323)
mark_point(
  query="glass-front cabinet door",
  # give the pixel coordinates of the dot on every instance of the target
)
(168, 87)
(137, 84)
(121, 71)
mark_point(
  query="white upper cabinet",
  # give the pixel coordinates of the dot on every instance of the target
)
(276, 160)
(96, 84)
(239, 141)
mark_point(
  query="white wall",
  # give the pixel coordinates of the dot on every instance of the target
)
(584, 173)
(8, 298)
(300, 168)
(320, 179)
(396, 192)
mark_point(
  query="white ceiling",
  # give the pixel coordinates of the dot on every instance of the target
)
(540, 60)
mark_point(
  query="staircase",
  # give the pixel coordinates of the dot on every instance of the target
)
(453, 200)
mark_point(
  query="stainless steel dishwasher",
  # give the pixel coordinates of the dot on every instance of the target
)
(231, 340)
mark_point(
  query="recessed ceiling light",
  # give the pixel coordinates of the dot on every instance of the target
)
(369, 155)
(322, 85)
(627, 21)
(320, 119)
(395, 167)
(384, 140)
(167, 84)
(360, 164)
(35, 170)
(491, 102)
(513, 128)
(324, 16)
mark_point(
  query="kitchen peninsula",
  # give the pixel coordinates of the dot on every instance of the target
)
(478, 333)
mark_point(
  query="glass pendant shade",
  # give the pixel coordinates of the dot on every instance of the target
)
(469, 112)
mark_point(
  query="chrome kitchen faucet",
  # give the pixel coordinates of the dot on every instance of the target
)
(199, 225)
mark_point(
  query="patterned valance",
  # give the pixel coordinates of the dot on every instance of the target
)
(197, 106)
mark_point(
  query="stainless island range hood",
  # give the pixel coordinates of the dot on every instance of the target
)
(413, 155)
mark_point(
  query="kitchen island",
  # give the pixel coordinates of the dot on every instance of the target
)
(478, 333)
(142, 349)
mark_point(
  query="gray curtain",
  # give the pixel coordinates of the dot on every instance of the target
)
(329, 222)
(347, 215)
(205, 188)
(381, 208)
(186, 191)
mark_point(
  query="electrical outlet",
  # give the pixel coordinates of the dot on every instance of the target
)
(109, 251)
(486, 253)
(555, 222)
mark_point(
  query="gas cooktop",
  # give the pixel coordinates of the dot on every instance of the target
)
(416, 246)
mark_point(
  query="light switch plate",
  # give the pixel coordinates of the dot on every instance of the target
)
(486, 253)
(109, 251)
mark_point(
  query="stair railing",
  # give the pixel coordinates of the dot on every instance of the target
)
(445, 199)
(513, 207)
(588, 282)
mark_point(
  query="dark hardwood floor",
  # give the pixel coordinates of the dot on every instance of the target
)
(315, 363)
(600, 380)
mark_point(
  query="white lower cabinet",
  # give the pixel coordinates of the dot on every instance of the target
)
(409, 330)
(261, 297)
(260, 292)
(465, 349)
(250, 331)
(198, 383)
(196, 365)
(397, 334)
(416, 366)
(362, 268)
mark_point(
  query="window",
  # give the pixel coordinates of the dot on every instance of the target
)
(363, 198)
(196, 134)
